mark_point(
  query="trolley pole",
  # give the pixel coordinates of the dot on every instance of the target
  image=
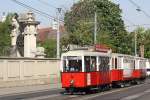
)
(95, 28)
(58, 33)
(135, 44)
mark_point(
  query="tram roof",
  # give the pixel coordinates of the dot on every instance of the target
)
(122, 55)
(84, 53)
(128, 56)
(93, 53)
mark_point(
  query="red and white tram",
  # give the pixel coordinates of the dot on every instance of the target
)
(83, 70)
(126, 69)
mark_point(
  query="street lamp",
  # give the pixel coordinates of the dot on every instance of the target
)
(138, 9)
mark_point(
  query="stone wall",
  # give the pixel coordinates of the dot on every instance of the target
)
(28, 71)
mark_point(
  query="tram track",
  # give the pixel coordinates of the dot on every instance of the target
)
(57, 94)
(99, 94)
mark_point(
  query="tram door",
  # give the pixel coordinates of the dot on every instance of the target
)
(142, 65)
(103, 64)
(91, 70)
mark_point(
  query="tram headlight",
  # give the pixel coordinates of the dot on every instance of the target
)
(72, 82)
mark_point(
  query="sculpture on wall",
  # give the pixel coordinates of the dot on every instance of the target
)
(23, 36)
(14, 34)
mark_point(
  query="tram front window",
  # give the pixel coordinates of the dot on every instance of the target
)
(73, 64)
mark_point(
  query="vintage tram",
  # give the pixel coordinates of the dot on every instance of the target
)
(83, 70)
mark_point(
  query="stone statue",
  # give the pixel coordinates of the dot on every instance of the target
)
(23, 36)
(14, 34)
(15, 30)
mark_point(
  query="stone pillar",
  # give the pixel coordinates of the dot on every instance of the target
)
(30, 35)
(26, 43)
(33, 41)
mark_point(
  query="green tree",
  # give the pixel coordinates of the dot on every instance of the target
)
(50, 48)
(143, 37)
(147, 44)
(79, 22)
(5, 31)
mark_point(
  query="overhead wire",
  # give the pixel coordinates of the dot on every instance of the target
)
(51, 17)
(127, 26)
(139, 8)
(35, 10)
(49, 5)
(126, 18)
(128, 21)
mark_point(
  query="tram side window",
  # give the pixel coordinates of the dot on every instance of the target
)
(103, 63)
(87, 63)
(107, 63)
(115, 63)
(134, 64)
(90, 63)
(93, 64)
(142, 64)
(64, 65)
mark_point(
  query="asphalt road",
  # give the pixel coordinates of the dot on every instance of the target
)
(136, 92)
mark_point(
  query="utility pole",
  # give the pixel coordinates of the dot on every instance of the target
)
(135, 44)
(95, 28)
(58, 33)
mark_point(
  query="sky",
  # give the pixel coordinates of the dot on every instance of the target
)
(133, 17)
(130, 15)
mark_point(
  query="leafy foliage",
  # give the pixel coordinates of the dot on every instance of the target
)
(143, 37)
(5, 31)
(79, 23)
(50, 48)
